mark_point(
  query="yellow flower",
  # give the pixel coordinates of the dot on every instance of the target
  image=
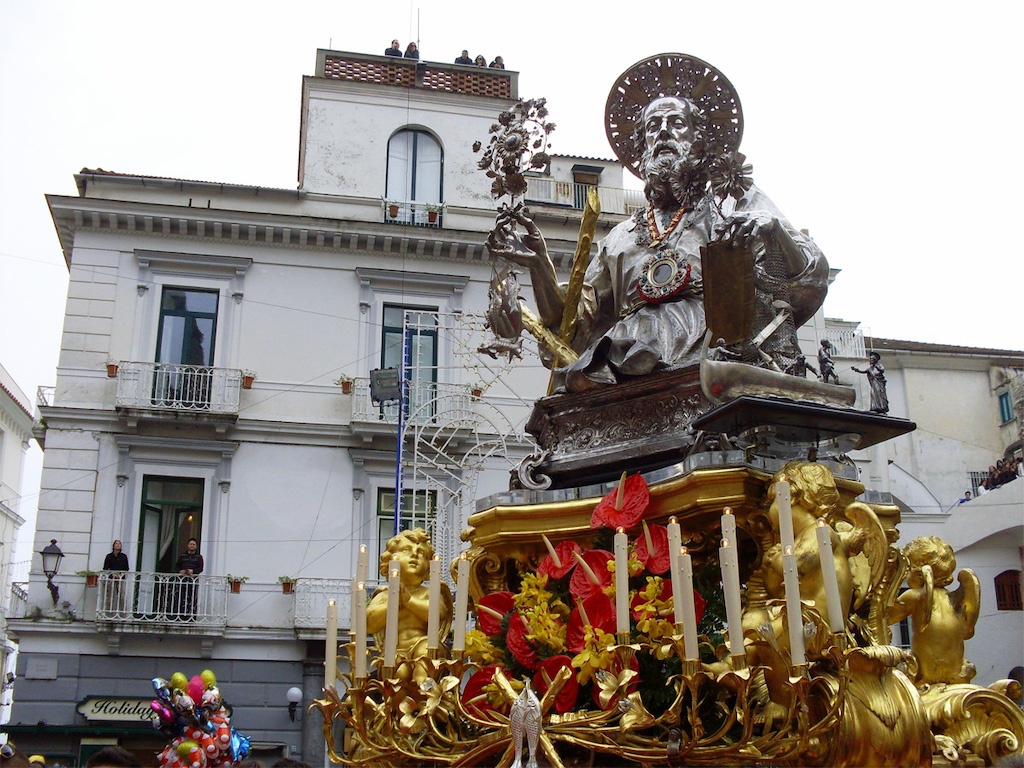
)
(532, 592)
(596, 653)
(546, 626)
(480, 649)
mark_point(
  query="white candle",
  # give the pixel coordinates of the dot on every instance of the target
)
(621, 582)
(391, 628)
(675, 542)
(461, 603)
(359, 610)
(785, 513)
(689, 609)
(331, 645)
(362, 565)
(794, 614)
(434, 604)
(729, 525)
(836, 619)
(731, 586)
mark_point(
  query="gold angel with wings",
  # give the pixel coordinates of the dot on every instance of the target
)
(941, 620)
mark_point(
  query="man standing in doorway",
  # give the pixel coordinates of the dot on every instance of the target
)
(189, 565)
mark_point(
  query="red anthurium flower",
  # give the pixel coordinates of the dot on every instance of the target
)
(600, 611)
(499, 603)
(643, 606)
(566, 698)
(582, 584)
(699, 603)
(635, 498)
(473, 697)
(518, 644)
(565, 558)
(656, 559)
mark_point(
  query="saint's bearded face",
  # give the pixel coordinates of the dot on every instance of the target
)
(671, 162)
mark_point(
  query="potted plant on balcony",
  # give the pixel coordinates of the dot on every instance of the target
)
(347, 384)
(476, 390)
(393, 210)
(248, 377)
(92, 578)
(236, 582)
(432, 210)
(111, 369)
(287, 584)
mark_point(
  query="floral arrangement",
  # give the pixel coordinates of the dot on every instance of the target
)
(563, 616)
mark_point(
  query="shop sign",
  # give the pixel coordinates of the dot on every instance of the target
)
(116, 709)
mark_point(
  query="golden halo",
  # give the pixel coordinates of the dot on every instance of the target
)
(672, 74)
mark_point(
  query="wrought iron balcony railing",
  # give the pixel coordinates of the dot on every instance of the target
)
(413, 213)
(139, 599)
(169, 386)
(571, 195)
(427, 399)
(311, 596)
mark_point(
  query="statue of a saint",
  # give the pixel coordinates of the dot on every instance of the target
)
(414, 552)
(876, 381)
(674, 121)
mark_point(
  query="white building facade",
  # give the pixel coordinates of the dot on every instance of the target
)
(213, 384)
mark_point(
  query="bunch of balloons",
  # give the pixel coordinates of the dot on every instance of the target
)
(191, 714)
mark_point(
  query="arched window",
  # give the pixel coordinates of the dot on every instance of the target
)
(415, 174)
(1008, 596)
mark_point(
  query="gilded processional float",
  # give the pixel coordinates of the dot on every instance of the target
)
(728, 600)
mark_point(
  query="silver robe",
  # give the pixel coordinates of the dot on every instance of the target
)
(620, 335)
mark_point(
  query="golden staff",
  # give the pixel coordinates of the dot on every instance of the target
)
(559, 344)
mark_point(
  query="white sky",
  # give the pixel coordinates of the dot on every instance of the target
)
(879, 126)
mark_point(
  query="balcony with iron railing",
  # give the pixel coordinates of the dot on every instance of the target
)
(413, 213)
(137, 601)
(848, 342)
(427, 399)
(564, 194)
(160, 390)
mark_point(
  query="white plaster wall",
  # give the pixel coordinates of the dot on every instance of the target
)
(348, 126)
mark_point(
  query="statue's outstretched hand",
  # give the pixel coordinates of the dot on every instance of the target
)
(743, 228)
(526, 249)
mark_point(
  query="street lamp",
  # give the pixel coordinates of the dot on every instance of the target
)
(294, 697)
(51, 556)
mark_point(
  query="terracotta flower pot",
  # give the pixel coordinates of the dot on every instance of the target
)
(92, 580)
(247, 382)
(287, 587)
(393, 211)
(431, 216)
(236, 587)
(346, 387)
(112, 370)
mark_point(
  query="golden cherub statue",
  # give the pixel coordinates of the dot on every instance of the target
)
(414, 551)
(941, 620)
(854, 531)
